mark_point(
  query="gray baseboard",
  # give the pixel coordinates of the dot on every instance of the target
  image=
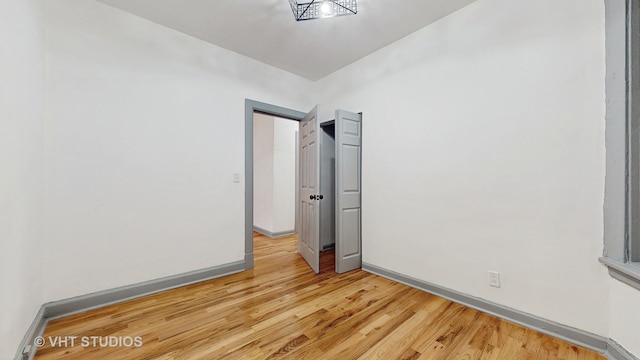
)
(273, 235)
(61, 308)
(248, 261)
(615, 351)
(25, 350)
(99, 299)
(564, 332)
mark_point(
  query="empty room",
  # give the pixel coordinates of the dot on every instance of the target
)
(458, 179)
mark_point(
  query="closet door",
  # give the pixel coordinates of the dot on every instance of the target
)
(348, 191)
(309, 191)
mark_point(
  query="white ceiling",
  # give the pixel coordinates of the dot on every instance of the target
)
(265, 30)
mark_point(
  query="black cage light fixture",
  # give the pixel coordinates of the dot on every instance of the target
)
(320, 9)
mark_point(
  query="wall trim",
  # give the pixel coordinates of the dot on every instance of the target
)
(615, 351)
(563, 332)
(61, 308)
(56, 309)
(622, 184)
(628, 273)
(250, 107)
(273, 235)
(25, 350)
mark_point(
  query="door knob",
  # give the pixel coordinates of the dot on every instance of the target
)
(312, 197)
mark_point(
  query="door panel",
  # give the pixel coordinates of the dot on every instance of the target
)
(351, 229)
(309, 236)
(348, 191)
(350, 161)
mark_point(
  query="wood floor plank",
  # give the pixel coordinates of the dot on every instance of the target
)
(282, 310)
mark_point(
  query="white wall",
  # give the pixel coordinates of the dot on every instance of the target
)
(263, 171)
(274, 191)
(21, 168)
(145, 127)
(284, 171)
(483, 138)
(625, 316)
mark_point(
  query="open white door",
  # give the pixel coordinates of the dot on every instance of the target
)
(309, 235)
(348, 191)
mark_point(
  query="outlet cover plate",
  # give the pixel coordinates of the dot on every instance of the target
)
(494, 279)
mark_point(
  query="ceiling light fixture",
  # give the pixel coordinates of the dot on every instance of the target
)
(319, 9)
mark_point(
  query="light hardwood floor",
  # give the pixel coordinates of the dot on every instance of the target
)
(282, 310)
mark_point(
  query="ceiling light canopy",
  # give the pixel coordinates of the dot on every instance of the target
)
(319, 9)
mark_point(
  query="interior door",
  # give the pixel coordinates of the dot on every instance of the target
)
(348, 191)
(309, 235)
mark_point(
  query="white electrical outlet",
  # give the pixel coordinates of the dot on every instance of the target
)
(494, 279)
(236, 178)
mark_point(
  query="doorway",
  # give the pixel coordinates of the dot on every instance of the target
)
(342, 185)
(274, 175)
(252, 107)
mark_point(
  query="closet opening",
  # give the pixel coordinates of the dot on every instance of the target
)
(328, 185)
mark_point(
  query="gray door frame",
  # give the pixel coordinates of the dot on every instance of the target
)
(251, 107)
